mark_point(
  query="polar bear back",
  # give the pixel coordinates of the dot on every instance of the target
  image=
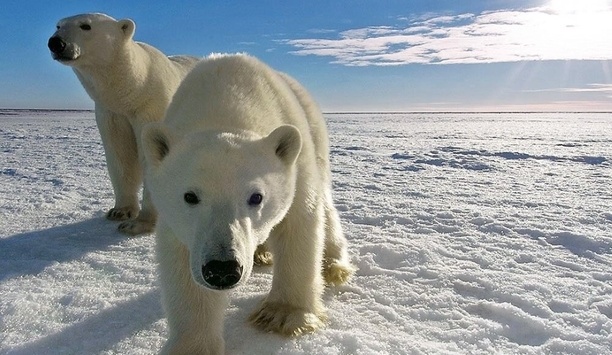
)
(238, 92)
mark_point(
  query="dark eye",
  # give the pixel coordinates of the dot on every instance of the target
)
(255, 199)
(57, 27)
(85, 27)
(191, 198)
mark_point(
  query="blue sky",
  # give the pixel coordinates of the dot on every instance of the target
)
(365, 55)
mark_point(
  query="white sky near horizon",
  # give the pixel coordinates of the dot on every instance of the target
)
(355, 55)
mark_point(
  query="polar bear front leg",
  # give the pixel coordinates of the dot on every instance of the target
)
(145, 222)
(194, 314)
(294, 304)
(122, 162)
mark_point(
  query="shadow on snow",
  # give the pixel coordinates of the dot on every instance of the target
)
(100, 331)
(30, 253)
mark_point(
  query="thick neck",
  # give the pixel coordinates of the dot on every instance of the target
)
(114, 83)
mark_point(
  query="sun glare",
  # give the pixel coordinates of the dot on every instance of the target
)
(574, 6)
(582, 23)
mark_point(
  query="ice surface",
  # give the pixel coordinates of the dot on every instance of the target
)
(473, 233)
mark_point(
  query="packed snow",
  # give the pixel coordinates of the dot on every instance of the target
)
(473, 233)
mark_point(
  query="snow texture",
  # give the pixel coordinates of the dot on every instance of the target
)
(473, 233)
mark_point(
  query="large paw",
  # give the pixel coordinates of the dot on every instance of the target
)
(336, 272)
(262, 256)
(122, 213)
(136, 227)
(286, 319)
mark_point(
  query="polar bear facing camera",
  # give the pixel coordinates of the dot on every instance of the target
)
(131, 84)
(242, 157)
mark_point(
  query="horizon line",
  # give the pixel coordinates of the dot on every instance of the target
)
(358, 112)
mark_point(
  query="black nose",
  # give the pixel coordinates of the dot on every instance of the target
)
(56, 44)
(222, 274)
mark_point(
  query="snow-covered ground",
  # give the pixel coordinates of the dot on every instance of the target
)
(473, 233)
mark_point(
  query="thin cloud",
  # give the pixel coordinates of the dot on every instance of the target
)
(607, 88)
(604, 88)
(321, 31)
(489, 37)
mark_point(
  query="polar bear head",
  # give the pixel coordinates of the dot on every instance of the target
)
(89, 39)
(221, 194)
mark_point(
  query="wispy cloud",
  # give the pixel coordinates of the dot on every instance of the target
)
(603, 88)
(597, 94)
(321, 31)
(543, 33)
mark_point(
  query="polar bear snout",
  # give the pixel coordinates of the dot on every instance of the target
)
(222, 275)
(61, 50)
(56, 45)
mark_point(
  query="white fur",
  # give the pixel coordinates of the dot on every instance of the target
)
(236, 127)
(131, 84)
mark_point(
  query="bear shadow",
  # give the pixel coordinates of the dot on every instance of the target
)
(31, 252)
(101, 331)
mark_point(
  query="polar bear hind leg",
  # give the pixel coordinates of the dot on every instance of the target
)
(337, 269)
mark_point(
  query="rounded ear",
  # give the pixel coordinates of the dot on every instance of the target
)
(156, 143)
(128, 27)
(286, 141)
